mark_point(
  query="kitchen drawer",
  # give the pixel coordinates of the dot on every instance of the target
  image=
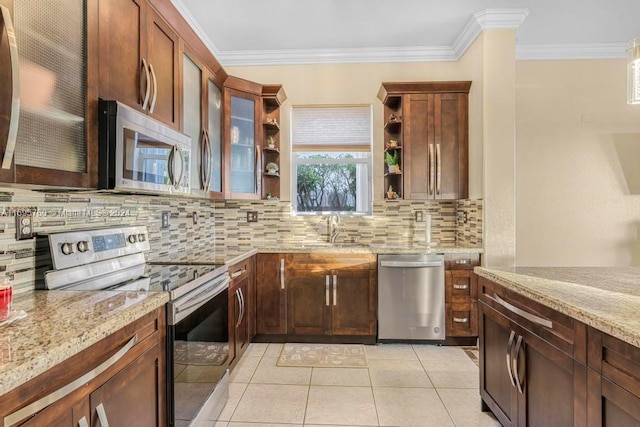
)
(240, 270)
(461, 286)
(461, 261)
(561, 331)
(616, 360)
(462, 319)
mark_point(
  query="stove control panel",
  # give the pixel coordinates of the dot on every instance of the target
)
(74, 248)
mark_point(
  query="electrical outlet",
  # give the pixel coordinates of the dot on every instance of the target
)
(195, 217)
(419, 216)
(165, 219)
(24, 226)
(252, 216)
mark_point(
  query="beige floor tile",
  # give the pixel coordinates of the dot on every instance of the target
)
(454, 378)
(398, 373)
(268, 403)
(256, 349)
(341, 376)
(243, 372)
(464, 408)
(268, 373)
(263, 425)
(341, 406)
(390, 351)
(207, 424)
(273, 350)
(420, 407)
(236, 390)
(434, 353)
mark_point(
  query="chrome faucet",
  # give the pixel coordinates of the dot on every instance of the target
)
(334, 222)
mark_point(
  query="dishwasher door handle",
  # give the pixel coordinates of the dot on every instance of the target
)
(411, 264)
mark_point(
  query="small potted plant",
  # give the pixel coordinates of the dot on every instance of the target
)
(271, 143)
(392, 161)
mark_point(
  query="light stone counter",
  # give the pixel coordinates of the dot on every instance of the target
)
(607, 298)
(60, 324)
(231, 256)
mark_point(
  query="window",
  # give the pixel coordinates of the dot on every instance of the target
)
(331, 153)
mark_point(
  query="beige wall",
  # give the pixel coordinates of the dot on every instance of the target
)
(359, 84)
(577, 156)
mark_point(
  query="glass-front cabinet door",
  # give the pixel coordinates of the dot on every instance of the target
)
(243, 154)
(202, 122)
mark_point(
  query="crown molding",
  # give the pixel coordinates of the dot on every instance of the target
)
(571, 51)
(480, 21)
(196, 27)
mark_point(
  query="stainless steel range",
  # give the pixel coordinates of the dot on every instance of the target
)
(197, 314)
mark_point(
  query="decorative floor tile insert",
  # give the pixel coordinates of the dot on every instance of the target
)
(323, 355)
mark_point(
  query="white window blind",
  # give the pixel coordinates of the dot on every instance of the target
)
(331, 128)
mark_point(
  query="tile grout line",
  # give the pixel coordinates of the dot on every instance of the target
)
(375, 404)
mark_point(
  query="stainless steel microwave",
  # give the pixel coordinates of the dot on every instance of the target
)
(139, 154)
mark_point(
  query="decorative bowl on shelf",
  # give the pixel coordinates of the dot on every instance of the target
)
(272, 168)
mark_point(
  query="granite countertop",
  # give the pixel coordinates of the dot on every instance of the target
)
(607, 298)
(60, 324)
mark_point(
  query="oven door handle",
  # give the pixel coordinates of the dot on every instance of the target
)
(182, 310)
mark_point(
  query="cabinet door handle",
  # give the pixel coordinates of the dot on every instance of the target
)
(83, 422)
(282, 273)
(509, 346)
(40, 404)
(516, 372)
(461, 287)
(239, 307)
(144, 99)
(208, 157)
(439, 170)
(15, 89)
(335, 289)
(152, 107)
(531, 317)
(432, 169)
(326, 290)
(242, 305)
(258, 169)
(461, 319)
(102, 415)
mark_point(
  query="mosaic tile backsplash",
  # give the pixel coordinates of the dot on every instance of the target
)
(219, 224)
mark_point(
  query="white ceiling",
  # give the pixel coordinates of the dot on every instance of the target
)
(251, 32)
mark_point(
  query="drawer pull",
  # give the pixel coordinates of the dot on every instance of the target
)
(40, 404)
(531, 317)
(461, 287)
(238, 273)
(461, 319)
(83, 422)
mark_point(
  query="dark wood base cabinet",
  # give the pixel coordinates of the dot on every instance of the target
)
(130, 392)
(241, 308)
(539, 367)
(316, 297)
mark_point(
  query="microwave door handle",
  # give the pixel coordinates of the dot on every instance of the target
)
(152, 107)
(144, 99)
(15, 89)
(178, 182)
(170, 166)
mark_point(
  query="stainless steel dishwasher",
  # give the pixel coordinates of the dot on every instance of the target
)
(411, 298)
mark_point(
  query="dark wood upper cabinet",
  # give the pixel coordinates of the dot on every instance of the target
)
(138, 59)
(429, 122)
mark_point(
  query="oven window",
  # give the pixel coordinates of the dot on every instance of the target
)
(200, 355)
